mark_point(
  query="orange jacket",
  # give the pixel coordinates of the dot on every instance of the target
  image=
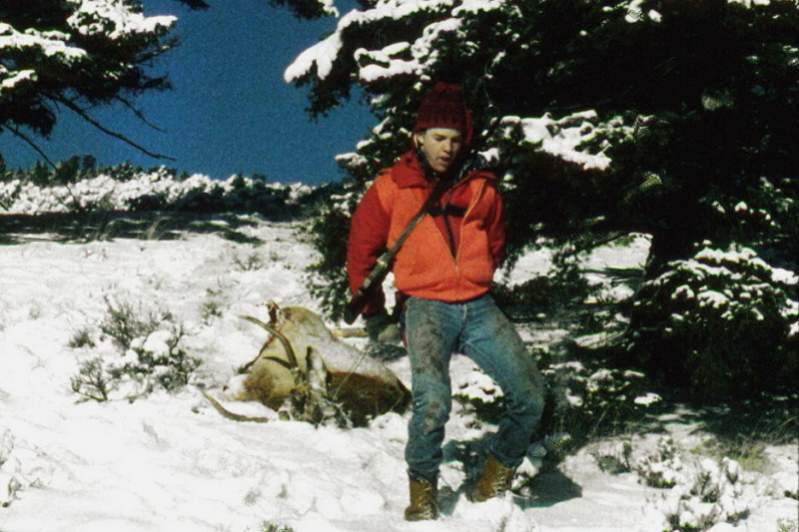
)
(426, 266)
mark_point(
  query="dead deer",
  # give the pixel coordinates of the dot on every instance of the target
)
(305, 370)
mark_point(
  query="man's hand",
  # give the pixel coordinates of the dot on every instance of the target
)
(382, 329)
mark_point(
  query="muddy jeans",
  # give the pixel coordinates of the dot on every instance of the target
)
(478, 329)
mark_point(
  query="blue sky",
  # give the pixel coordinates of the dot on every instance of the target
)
(230, 110)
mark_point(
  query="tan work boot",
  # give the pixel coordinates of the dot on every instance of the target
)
(424, 502)
(494, 480)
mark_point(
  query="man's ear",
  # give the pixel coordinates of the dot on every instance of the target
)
(417, 140)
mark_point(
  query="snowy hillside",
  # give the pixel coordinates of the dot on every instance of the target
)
(169, 461)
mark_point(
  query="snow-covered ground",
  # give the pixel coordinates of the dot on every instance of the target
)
(169, 461)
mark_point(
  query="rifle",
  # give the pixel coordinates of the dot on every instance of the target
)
(381, 268)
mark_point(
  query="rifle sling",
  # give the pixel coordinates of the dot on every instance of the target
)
(384, 261)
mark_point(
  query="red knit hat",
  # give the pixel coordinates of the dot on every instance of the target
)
(444, 106)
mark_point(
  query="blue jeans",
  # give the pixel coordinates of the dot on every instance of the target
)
(478, 329)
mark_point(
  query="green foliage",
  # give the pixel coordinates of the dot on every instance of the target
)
(63, 58)
(153, 361)
(162, 361)
(150, 355)
(750, 453)
(615, 463)
(81, 338)
(663, 468)
(762, 213)
(92, 381)
(210, 309)
(268, 526)
(123, 323)
(562, 288)
(713, 495)
(326, 231)
(249, 262)
(718, 324)
(78, 185)
(586, 397)
(589, 398)
(607, 117)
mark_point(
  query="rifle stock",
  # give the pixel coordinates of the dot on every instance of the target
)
(375, 278)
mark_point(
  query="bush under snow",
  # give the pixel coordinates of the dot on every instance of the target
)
(721, 322)
(157, 189)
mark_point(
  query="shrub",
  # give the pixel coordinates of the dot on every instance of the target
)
(127, 188)
(615, 463)
(250, 262)
(478, 392)
(93, 381)
(663, 468)
(151, 356)
(563, 287)
(124, 323)
(749, 453)
(268, 526)
(327, 229)
(157, 356)
(156, 360)
(700, 495)
(210, 309)
(719, 323)
(712, 496)
(586, 398)
(81, 338)
(788, 525)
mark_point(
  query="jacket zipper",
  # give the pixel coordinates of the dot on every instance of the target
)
(472, 205)
(445, 243)
(447, 225)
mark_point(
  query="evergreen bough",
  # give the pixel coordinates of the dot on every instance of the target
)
(608, 117)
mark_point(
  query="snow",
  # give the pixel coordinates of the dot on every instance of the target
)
(168, 461)
(647, 399)
(750, 3)
(324, 54)
(564, 137)
(634, 11)
(713, 298)
(781, 275)
(50, 43)
(92, 17)
(24, 197)
(374, 71)
(111, 18)
(477, 6)
(43, 50)
(329, 8)
(321, 55)
(11, 81)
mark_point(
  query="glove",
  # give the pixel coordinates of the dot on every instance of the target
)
(381, 328)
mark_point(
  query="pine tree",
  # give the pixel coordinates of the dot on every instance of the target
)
(58, 55)
(605, 117)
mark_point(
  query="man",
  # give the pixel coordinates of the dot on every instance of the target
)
(445, 268)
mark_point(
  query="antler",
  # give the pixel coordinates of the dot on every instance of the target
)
(292, 365)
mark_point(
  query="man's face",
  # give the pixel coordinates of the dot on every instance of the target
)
(440, 146)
